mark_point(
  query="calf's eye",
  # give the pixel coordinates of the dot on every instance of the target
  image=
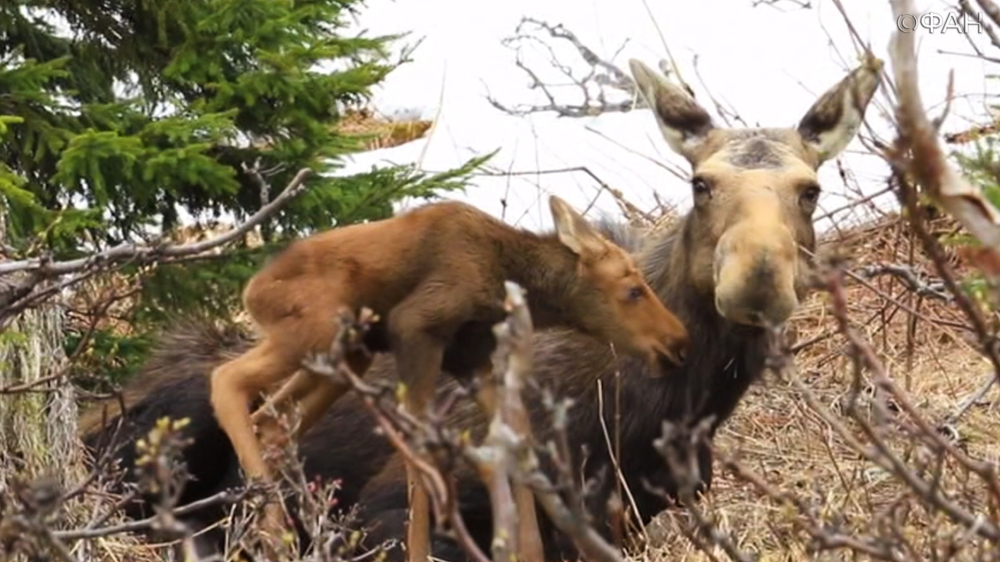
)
(635, 293)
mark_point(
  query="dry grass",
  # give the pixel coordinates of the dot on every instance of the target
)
(381, 133)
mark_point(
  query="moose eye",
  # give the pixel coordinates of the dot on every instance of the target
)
(635, 293)
(700, 187)
(810, 195)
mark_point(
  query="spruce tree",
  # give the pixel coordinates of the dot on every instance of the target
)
(118, 115)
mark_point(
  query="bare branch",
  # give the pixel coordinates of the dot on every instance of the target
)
(678, 446)
(601, 78)
(778, 4)
(19, 295)
(909, 277)
(972, 399)
(634, 213)
(515, 335)
(400, 427)
(926, 161)
(863, 354)
(146, 254)
(224, 497)
(495, 457)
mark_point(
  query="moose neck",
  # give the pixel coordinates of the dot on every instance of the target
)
(665, 261)
(548, 272)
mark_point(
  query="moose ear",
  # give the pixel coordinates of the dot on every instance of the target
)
(573, 230)
(683, 123)
(831, 123)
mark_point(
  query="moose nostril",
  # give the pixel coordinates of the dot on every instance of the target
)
(674, 352)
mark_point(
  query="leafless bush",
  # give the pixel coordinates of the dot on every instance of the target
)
(40, 521)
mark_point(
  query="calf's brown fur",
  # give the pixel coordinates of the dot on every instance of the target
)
(729, 265)
(435, 274)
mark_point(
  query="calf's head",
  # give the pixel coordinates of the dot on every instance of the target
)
(755, 192)
(613, 300)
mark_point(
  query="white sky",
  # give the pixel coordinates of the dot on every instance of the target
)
(767, 64)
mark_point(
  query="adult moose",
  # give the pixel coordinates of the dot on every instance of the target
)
(729, 268)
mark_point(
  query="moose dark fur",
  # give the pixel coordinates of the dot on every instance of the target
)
(732, 266)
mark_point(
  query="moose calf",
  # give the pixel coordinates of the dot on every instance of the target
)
(434, 276)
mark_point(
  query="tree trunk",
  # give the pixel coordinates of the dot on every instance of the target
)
(37, 427)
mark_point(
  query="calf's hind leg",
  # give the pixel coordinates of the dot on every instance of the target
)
(235, 384)
(313, 392)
